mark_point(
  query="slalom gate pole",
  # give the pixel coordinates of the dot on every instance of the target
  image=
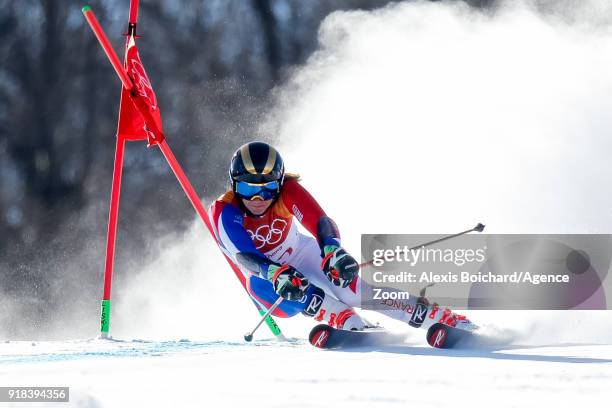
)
(111, 237)
(478, 228)
(113, 215)
(108, 48)
(117, 172)
(133, 18)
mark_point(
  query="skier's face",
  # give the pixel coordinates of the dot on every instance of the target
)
(257, 207)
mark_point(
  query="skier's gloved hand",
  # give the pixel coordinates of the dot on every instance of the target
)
(339, 267)
(288, 282)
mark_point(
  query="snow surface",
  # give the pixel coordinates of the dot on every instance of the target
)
(271, 374)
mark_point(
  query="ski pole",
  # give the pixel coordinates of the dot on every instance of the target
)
(249, 335)
(478, 228)
(107, 47)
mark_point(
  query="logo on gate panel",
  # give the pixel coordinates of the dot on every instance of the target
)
(315, 304)
(418, 316)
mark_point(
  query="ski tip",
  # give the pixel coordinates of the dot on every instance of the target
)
(86, 8)
(436, 336)
(319, 335)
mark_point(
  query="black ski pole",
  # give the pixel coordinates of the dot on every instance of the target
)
(249, 335)
(478, 228)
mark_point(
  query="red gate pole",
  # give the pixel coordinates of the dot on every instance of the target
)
(107, 47)
(133, 12)
(185, 184)
(111, 237)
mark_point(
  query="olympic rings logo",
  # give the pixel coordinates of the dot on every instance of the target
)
(268, 234)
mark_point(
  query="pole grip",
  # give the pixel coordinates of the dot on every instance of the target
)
(108, 48)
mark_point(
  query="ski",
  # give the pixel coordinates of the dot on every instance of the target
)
(327, 337)
(442, 336)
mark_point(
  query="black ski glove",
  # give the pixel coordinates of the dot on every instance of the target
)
(339, 267)
(288, 282)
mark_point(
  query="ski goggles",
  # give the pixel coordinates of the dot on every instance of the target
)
(251, 191)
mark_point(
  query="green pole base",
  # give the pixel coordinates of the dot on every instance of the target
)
(105, 318)
(271, 324)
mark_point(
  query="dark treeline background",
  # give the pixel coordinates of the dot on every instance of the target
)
(212, 63)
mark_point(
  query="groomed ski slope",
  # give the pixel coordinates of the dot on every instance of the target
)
(271, 374)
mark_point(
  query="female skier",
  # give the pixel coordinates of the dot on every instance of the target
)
(254, 225)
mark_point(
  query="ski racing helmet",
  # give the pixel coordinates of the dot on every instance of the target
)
(256, 171)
